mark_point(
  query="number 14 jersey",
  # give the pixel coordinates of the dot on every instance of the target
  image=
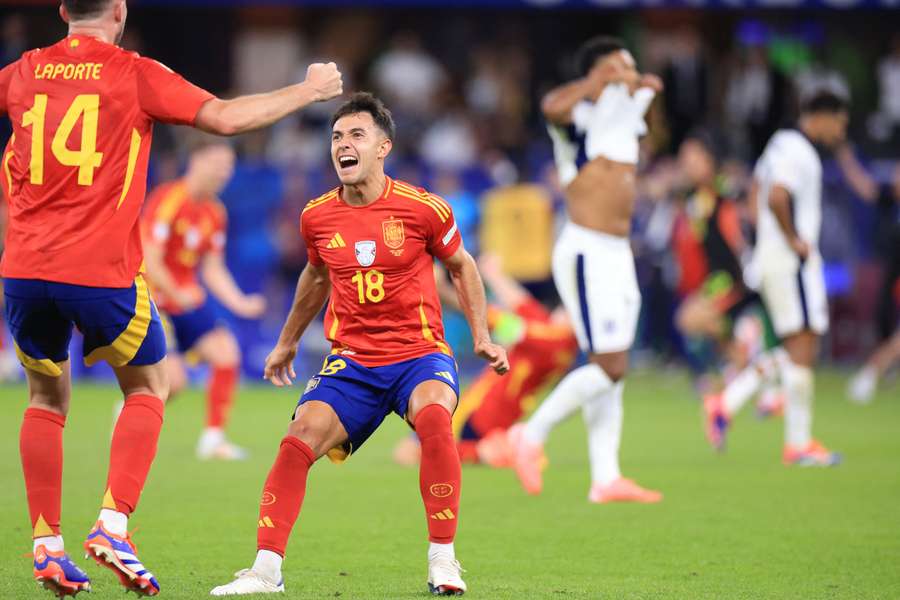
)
(384, 305)
(75, 170)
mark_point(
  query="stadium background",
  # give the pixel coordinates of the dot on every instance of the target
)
(464, 84)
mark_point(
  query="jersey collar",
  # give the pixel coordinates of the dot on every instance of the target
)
(388, 188)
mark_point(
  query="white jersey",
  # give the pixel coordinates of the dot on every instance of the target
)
(789, 161)
(793, 291)
(609, 127)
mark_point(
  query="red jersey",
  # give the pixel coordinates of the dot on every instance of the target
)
(75, 170)
(384, 305)
(543, 353)
(188, 229)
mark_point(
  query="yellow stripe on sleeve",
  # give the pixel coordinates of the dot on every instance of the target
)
(133, 154)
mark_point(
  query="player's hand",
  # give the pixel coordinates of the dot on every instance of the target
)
(252, 307)
(280, 365)
(800, 247)
(325, 81)
(495, 354)
(649, 80)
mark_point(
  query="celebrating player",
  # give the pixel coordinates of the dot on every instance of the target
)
(788, 183)
(184, 228)
(75, 175)
(598, 118)
(371, 245)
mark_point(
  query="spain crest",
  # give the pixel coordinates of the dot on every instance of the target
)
(393, 233)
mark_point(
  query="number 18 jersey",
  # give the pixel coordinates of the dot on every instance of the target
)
(75, 170)
(384, 305)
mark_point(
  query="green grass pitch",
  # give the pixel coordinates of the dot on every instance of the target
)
(734, 526)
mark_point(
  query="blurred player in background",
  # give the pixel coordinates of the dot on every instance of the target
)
(718, 306)
(542, 347)
(595, 123)
(75, 175)
(786, 260)
(371, 245)
(886, 199)
(184, 235)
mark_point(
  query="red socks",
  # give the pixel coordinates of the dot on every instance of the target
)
(283, 495)
(41, 447)
(220, 395)
(133, 450)
(440, 473)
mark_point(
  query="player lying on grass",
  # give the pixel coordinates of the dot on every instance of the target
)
(184, 234)
(595, 123)
(75, 172)
(542, 346)
(789, 268)
(371, 244)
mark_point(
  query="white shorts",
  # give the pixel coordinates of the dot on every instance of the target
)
(794, 294)
(595, 277)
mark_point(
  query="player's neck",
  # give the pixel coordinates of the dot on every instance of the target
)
(365, 192)
(94, 30)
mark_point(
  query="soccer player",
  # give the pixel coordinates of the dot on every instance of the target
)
(788, 184)
(542, 346)
(184, 232)
(371, 245)
(595, 122)
(75, 173)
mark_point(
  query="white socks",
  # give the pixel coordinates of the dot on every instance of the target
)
(268, 564)
(603, 418)
(740, 389)
(114, 521)
(436, 550)
(588, 381)
(53, 543)
(798, 390)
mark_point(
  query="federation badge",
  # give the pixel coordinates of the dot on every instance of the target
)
(393, 233)
(311, 385)
(365, 253)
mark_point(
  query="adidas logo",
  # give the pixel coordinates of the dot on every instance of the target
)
(336, 242)
(446, 375)
(266, 522)
(444, 515)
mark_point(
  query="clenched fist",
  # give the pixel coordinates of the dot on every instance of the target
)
(325, 81)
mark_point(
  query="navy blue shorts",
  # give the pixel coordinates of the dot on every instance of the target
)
(189, 327)
(363, 396)
(120, 325)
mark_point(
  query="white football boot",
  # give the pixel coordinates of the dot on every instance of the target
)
(445, 577)
(248, 581)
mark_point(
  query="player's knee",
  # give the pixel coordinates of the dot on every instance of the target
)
(615, 367)
(57, 402)
(224, 350)
(311, 432)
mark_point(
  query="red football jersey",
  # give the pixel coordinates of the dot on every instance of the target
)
(75, 170)
(384, 305)
(542, 355)
(187, 228)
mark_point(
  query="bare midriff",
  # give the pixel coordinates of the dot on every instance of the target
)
(602, 196)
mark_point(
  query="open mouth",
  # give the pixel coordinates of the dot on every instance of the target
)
(347, 162)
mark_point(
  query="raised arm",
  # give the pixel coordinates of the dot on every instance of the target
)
(470, 291)
(780, 203)
(559, 102)
(222, 285)
(246, 113)
(313, 288)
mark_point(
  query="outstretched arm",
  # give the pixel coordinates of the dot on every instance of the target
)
(222, 285)
(313, 288)
(559, 102)
(470, 291)
(246, 113)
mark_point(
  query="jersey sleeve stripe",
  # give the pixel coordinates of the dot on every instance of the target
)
(321, 200)
(446, 239)
(133, 154)
(443, 216)
(440, 202)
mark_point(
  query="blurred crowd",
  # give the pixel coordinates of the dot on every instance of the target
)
(464, 88)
